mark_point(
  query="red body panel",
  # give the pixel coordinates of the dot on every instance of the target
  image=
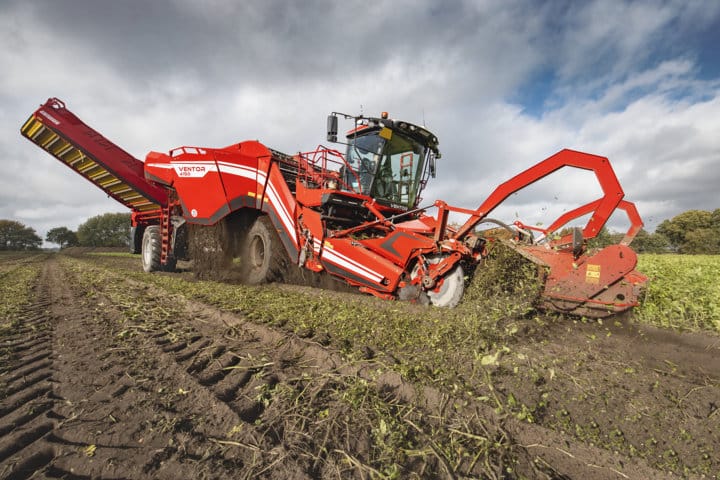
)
(211, 183)
(185, 173)
(400, 246)
(360, 266)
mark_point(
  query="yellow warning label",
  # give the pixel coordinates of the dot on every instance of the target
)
(328, 244)
(386, 133)
(592, 275)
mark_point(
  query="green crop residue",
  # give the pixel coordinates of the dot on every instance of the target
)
(495, 351)
(422, 343)
(15, 290)
(683, 291)
(395, 335)
(113, 254)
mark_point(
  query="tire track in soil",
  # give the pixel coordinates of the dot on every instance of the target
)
(192, 394)
(26, 392)
(88, 396)
(541, 453)
(80, 403)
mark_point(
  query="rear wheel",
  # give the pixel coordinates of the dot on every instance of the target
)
(152, 249)
(263, 256)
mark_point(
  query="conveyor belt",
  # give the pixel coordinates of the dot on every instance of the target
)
(59, 132)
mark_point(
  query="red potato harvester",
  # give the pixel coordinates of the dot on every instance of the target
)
(356, 216)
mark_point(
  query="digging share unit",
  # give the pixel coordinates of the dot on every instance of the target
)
(356, 216)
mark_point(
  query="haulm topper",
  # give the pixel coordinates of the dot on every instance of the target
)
(357, 215)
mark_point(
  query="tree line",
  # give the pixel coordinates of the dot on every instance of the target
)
(107, 230)
(16, 236)
(693, 232)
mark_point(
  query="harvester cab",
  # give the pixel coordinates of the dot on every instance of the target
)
(387, 160)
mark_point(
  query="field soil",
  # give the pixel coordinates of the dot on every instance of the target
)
(96, 385)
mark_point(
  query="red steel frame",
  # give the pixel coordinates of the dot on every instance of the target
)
(602, 208)
(629, 208)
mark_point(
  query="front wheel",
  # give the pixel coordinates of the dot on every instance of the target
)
(152, 249)
(449, 289)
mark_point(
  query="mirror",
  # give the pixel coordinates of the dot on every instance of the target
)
(432, 164)
(332, 128)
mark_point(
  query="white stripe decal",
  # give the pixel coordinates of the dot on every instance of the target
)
(342, 261)
(348, 263)
(357, 264)
(278, 205)
(241, 171)
(282, 213)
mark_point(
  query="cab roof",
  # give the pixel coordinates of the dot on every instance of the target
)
(416, 132)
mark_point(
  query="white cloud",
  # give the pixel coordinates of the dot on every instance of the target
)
(212, 74)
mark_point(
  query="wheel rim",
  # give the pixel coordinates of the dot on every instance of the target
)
(257, 252)
(444, 294)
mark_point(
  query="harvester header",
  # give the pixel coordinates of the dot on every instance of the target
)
(356, 215)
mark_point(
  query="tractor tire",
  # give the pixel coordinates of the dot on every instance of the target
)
(263, 258)
(151, 250)
(449, 293)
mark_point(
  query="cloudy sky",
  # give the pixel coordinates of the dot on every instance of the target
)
(503, 84)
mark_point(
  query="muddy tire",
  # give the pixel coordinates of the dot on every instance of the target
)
(451, 291)
(151, 250)
(452, 288)
(263, 257)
